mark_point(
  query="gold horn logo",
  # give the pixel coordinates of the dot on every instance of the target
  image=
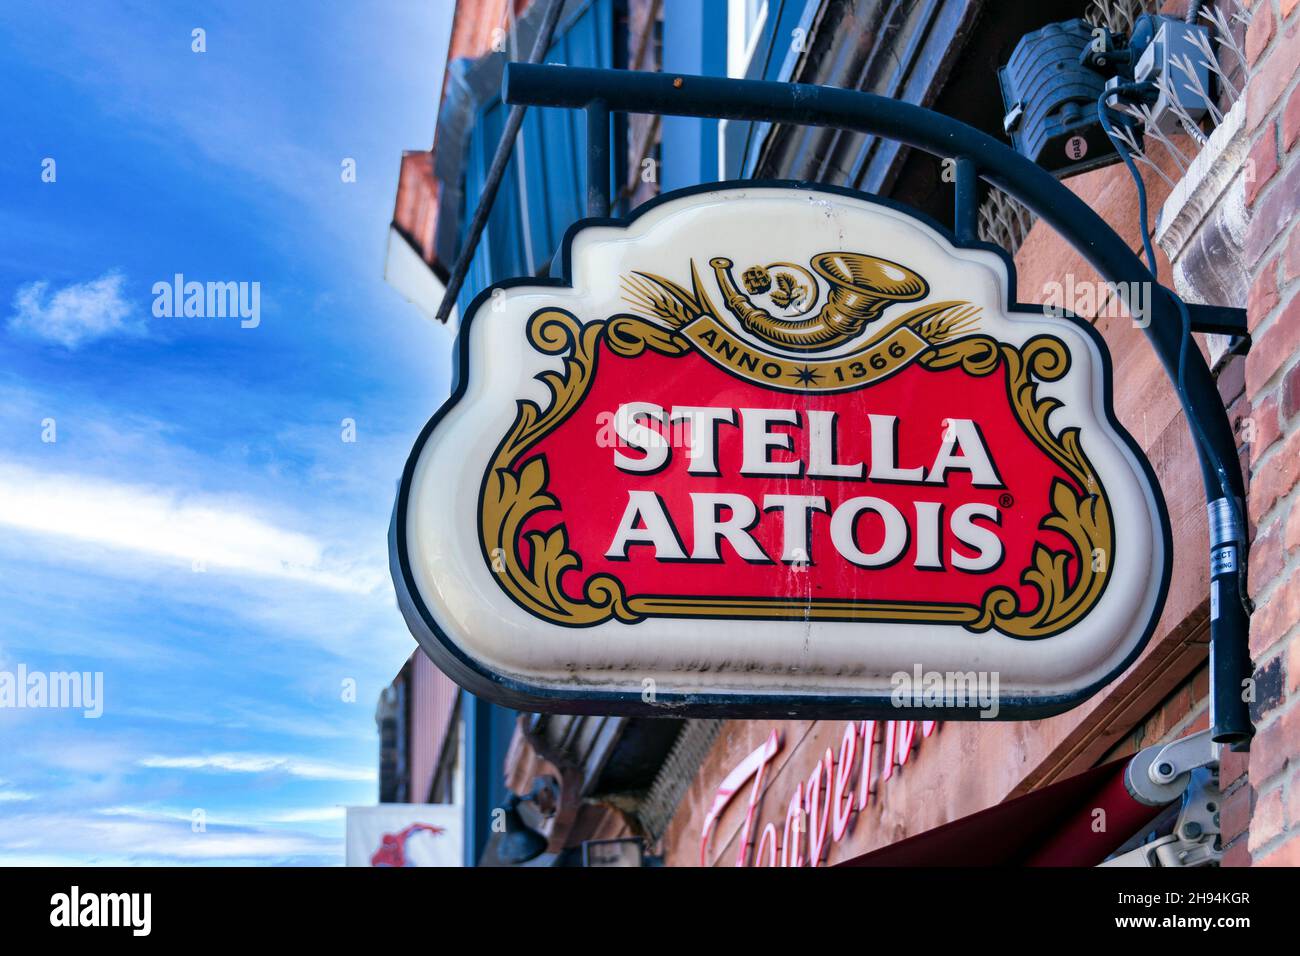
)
(861, 288)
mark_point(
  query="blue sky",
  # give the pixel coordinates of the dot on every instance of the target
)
(199, 531)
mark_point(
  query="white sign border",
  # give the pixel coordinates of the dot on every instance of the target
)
(583, 697)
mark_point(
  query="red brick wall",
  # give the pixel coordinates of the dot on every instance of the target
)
(1261, 812)
(1273, 390)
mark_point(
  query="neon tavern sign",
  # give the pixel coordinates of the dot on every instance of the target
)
(820, 808)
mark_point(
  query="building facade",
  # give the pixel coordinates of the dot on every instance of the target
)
(1224, 199)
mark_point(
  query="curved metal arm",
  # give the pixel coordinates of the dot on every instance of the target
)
(977, 153)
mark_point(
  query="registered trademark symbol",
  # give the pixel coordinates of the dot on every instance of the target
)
(1005, 500)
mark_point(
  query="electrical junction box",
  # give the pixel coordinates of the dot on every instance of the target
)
(1174, 56)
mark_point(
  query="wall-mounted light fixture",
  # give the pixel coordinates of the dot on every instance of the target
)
(519, 842)
(1051, 84)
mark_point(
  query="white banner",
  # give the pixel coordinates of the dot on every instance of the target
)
(405, 834)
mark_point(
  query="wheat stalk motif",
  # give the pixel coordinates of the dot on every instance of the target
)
(659, 298)
(951, 321)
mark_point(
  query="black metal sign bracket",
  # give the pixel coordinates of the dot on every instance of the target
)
(978, 155)
(1222, 320)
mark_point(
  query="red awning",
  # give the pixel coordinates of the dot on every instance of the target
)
(1055, 826)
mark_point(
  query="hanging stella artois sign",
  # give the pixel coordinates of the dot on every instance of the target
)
(775, 451)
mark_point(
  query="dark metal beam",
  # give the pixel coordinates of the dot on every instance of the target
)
(597, 160)
(1218, 319)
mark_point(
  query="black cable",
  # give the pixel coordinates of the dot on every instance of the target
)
(1202, 440)
(1132, 166)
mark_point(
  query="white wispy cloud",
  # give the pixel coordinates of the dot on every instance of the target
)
(310, 815)
(261, 764)
(208, 534)
(329, 814)
(60, 838)
(74, 314)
